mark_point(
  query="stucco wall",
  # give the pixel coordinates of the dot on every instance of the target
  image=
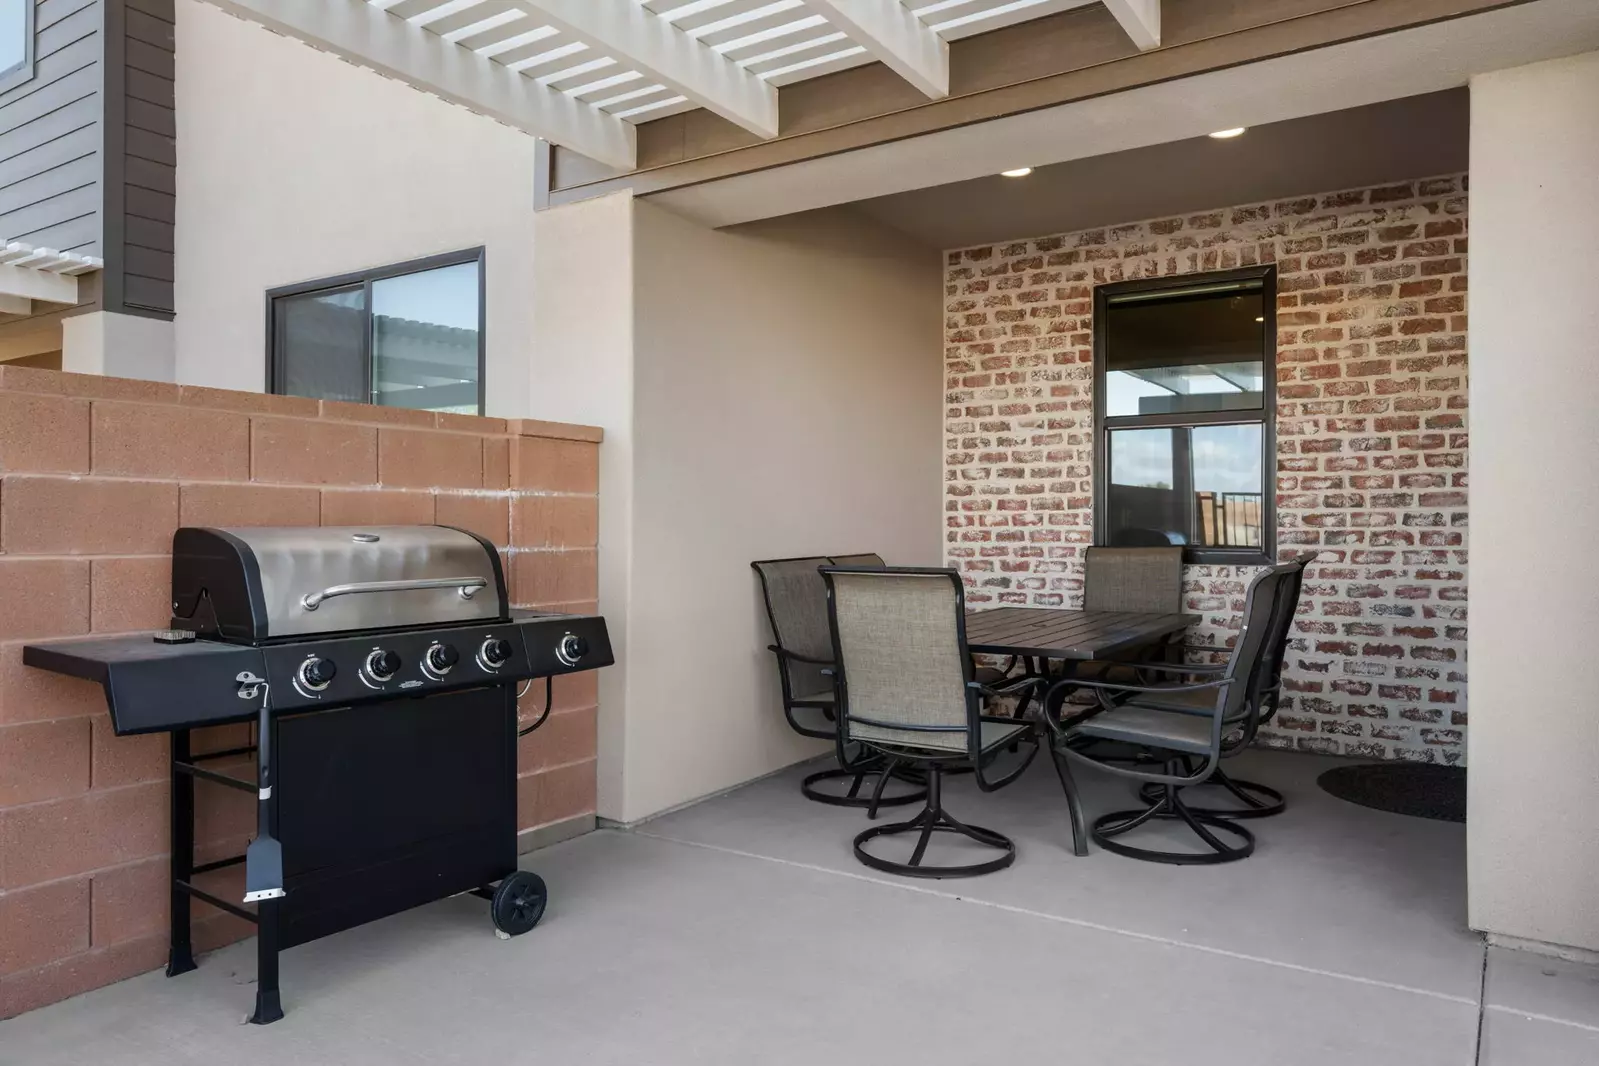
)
(786, 403)
(294, 165)
(1533, 820)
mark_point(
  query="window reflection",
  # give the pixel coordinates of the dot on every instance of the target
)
(1191, 485)
(425, 340)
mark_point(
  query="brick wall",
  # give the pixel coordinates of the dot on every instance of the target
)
(95, 474)
(1372, 448)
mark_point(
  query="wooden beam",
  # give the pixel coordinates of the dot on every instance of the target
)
(649, 44)
(1140, 19)
(892, 32)
(24, 283)
(365, 35)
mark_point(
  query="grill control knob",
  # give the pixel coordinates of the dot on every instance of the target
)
(382, 665)
(442, 658)
(571, 649)
(495, 653)
(317, 674)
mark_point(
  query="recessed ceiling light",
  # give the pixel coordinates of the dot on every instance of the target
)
(1227, 135)
(1019, 172)
(1262, 318)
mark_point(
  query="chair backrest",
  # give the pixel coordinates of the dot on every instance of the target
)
(865, 559)
(899, 639)
(1133, 579)
(1268, 682)
(1237, 703)
(796, 606)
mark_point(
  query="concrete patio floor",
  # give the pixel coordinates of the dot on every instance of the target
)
(741, 930)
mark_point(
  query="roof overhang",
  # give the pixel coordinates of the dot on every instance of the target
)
(28, 274)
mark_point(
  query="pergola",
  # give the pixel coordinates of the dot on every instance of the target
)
(581, 73)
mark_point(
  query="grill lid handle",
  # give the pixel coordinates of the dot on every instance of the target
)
(468, 587)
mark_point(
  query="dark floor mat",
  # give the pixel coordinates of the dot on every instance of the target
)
(1420, 790)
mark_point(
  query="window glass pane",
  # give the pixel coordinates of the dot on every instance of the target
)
(1199, 485)
(321, 342)
(1227, 485)
(13, 33)
(1188, 352)
(425, 340)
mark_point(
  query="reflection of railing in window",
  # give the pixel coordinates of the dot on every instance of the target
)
(1228, 519)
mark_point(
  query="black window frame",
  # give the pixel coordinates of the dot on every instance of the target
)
(22, 71)
(1103, 426)
(365, 279)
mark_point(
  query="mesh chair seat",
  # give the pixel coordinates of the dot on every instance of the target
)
(991, 737)
(1197, 701)
(1133, 579)
(1148, 727)
(815, 699)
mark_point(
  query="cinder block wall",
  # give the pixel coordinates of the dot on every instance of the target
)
(95, 474)
(1371, 442)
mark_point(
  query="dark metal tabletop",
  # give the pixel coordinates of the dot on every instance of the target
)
(1059, 634)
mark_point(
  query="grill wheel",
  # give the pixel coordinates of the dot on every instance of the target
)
(518, 903)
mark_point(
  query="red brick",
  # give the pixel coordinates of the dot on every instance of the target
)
(555, 795)
(62, 838)
(564, 738)
(150, 440)
(478, 424)
(43, 597)
(130, 760)
(130, 593)
(28, 694)
(44, 760)
(487, 516)
(86, 516)
(496, 462)
(130, 901)
(249, 505)
(56, 981)
(555, 521)
(550, 578)
(43, 434)
(366, 412)
(376, 507)
(247, 402)
(42, 924)
(548, 465)
(415, 459)
(302, 452)
(96, 386)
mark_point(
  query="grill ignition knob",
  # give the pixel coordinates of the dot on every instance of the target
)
(442, 658)
(571, 649)
(495, 653)
(382, 665)
(317, 674)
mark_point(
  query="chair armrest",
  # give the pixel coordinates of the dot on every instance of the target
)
(1106, 686)
(784, 653)
(1177, 668)
(1010, 689)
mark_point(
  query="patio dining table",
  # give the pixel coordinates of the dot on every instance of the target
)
(1067, 636)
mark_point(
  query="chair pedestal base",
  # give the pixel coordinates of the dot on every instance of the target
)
(1256, 800)
(1170, 805)
(858, 784)
(934, 819)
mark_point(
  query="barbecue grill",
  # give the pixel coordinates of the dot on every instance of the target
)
(380, 667)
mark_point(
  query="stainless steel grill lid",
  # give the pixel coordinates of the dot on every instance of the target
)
(255, 584)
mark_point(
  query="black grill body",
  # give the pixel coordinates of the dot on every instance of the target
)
(393, 775)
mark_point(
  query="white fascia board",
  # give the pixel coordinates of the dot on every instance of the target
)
(1140, 19)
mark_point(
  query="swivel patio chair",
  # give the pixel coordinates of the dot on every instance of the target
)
(1265, 691)
(906, 689)
(1186, 748)
(796, 607)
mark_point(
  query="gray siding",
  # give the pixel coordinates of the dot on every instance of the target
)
(51, 140)
(141, 156)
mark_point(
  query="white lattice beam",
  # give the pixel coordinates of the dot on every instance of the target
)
(1140, 19)
(361, 33)
(648, 43)
(892, 32)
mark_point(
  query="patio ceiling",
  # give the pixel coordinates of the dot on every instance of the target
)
(586, 71)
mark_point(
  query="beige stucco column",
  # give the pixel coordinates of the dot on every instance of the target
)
(1534, 313)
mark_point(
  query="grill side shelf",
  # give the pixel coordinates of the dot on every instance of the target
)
(153, 687)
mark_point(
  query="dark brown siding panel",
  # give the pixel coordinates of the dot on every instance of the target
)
(51, 150)
(141, 147)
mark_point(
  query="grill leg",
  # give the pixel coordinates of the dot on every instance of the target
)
(268, 1004)
(180, 955)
